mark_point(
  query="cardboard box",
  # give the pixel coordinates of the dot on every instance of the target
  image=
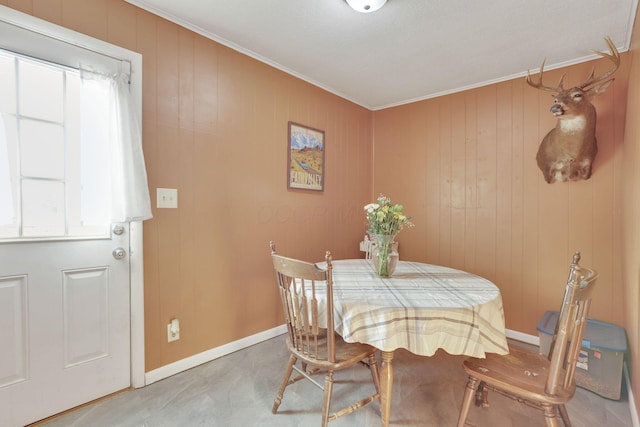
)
(599, 366)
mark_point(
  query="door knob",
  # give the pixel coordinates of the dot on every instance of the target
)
(119, 253)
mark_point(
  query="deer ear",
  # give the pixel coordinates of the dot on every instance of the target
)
(599, 89)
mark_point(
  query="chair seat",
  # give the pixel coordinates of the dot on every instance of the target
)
(347, 354)
(525, 375)
(521, 372)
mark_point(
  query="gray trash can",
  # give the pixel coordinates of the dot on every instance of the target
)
(599, 366)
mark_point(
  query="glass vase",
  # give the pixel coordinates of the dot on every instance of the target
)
(385, 254)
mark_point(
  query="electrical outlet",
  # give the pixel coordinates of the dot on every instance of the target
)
(167, 198)
(173, 330)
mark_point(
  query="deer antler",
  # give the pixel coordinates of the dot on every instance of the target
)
(613, 56)
(539, 85)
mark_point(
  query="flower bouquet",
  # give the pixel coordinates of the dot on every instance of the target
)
(385, 220)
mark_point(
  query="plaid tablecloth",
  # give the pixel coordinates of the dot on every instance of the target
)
(421, 308)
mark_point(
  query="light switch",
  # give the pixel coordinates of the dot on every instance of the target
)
(167, 198)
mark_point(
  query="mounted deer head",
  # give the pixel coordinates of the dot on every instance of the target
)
(567, 151)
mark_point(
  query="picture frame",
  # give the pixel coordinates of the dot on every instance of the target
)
(305, 158)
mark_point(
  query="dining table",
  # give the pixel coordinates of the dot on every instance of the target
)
(421, 308)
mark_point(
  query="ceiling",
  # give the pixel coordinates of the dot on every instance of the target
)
(410, 49)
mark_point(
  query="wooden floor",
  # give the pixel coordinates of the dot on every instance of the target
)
(238, 390)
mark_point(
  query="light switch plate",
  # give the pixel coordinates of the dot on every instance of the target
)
(167, 198)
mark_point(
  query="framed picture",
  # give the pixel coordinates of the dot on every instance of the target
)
(305, 158)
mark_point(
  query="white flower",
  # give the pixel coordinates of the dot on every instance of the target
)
(371, 207)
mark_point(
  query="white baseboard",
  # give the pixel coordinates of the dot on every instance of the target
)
(526, 338)
(212, 354)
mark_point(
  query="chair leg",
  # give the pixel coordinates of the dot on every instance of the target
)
(482, 396)
(469, 393)
(285, 382)
(373, 366)
(564, 415)
(326, 405)
(550, 415)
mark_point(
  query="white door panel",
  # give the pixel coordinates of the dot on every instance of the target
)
(64, 307)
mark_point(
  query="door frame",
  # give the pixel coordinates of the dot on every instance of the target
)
(54, 34)
(136, 287)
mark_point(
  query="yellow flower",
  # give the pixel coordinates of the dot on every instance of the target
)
(384, 217)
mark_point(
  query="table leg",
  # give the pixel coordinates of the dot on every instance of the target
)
(386, 384)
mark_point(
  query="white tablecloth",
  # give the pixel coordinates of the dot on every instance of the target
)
(421, 308)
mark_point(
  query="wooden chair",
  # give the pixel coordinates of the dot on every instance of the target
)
(543, 382)
(368, 244)
(317, 347)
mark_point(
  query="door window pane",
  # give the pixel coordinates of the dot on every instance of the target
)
(8, 79)
(53, 176)
(9, 209)
(43, 208)
(42, 149)
(40, 91)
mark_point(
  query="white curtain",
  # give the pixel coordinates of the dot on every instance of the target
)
(129, 191)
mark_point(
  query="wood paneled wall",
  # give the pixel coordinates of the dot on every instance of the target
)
(464, 167)
(631, 216)
(215, 128)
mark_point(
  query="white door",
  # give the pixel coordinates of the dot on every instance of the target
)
(65, 294)
(64, 311)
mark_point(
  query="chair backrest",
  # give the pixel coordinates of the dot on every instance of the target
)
(305, 290)
(368, 245)
(572, 321)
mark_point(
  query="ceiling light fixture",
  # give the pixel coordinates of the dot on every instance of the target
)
(366, 6)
